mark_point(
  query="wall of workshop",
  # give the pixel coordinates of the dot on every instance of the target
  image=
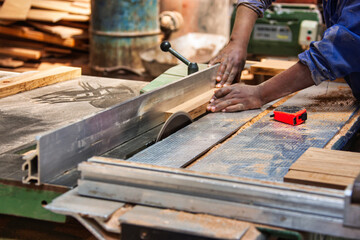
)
(206, 16)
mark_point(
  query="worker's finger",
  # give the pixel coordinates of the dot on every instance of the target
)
(220, 73)
(215, 60)
(221, 104)
(226, 74)
(234, 108)
(222, 92)
(231, 78)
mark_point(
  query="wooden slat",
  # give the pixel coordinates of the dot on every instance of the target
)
(15, 9)
(327, 168)
(61, 31)
(24, 82)
(21, 52)
(59, 6)
(271, 67)
(10, 63)
(194, 107)
(45, 15)
(318, 179)
(27, 33)
(319, 155)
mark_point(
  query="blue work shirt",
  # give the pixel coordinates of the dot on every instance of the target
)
(338, 53)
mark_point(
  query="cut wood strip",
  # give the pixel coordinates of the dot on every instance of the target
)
(10, 63)
(195, 107)
(21, 52)
(271, 67)
(16, 84)
(319, 155)
(61, 31)
(318, 179)
(59, 6)
(327, 168)
(27, 33)
(15, 9)
(45, 15)
(75, 18)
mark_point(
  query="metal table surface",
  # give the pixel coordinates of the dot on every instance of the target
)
(28, 114)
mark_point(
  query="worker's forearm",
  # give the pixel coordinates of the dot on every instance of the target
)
(294, 79)
(244, 23)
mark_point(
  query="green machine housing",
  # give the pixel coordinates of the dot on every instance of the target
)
(285, 30)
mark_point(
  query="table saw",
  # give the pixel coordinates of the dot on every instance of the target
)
(204, 180)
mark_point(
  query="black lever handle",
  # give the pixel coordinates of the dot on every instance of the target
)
(192, 67)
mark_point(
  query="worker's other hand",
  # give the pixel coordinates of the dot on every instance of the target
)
(234, 98)
(232, 60)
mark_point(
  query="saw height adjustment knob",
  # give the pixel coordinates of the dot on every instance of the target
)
(192, 67)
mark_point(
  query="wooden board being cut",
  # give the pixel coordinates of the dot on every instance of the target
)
(270, 67)
(325, 168)
(28, 81)
(195, 107)
(15, 9)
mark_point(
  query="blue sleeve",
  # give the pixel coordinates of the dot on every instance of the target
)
(338, 53)
(259, 6)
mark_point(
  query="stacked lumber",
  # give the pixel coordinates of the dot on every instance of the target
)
(325, 168)
(31, 30)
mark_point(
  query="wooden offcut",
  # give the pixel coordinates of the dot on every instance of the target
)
(325, 168)
(21, 52)
(15, 9)
(195, 107)
(59, 6)
(61, 31)
(271, 67)
(25, 82)
(45, 15)
(10, 63)
(27, 33)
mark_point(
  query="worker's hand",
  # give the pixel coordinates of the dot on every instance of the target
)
(232, 60)
(237, 97)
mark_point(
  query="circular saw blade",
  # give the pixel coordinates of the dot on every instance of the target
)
(174, 123)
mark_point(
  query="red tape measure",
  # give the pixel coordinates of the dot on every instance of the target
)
(290, 115)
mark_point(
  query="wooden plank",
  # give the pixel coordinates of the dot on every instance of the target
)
(325, 156)
(25, 82)
(27, 33)
(10, 63)
(318, 179)
(59, 6)
(61, 31)
(45, 15)
(76, 18)
(194, 107)
(271, 67)
(336, 169)
(15, 9)
(21, 52)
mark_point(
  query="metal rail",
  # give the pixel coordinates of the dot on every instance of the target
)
(283, 205)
